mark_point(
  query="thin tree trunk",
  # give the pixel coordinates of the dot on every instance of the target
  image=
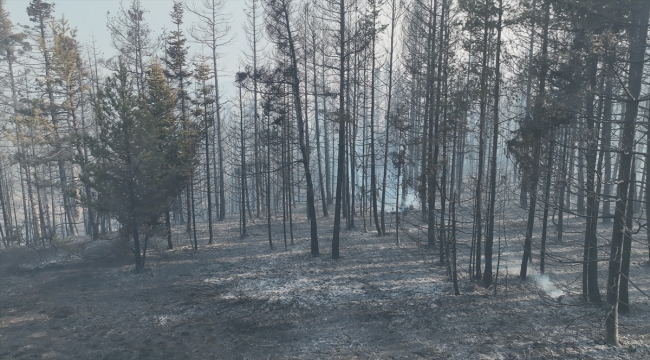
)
(342, 125)
(217, 207)
(563, 186)
(442, 108)
(242, 149)
(393, 20)
(647, 173)
(373, 155)
(221, 201)
(606, 148)
(6, 213)
(538, 116)
(353, 139)
(424, 172)
(364, 160)
(284, 174)
(50, 94)
(580, 204)
(326, 142)
(590, 290)
(256, 120)
(431, 161)
(295, 87)
(489, 237)
(168, 228)
(525, 170)
(316, 123)
(453, 246)
(619, 257)
(397, 210)
(547, 198)
(478, 210)
(139, 263)
(188, 208)
(196, 244)
(452, 210)
(207, 171)
(268, 180)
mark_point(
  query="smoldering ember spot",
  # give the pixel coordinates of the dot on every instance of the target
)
(331, 179)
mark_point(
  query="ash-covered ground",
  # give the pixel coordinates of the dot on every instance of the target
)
(236, 299)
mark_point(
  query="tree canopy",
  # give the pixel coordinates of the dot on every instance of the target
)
(141, 158)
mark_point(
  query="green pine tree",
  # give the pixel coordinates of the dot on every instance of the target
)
(141, 159)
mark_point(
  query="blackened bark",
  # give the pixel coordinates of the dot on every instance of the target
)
(489, 237)
(616, 283)
(478, 195)
(340, 178)
(538, 116)
(590, 290)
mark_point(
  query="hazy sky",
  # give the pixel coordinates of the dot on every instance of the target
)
(89, 17)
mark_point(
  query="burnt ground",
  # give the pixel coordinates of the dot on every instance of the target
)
(237, 299)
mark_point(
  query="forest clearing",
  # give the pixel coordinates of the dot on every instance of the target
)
(236, 299)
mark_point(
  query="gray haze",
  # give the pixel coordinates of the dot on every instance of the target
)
(89, 18)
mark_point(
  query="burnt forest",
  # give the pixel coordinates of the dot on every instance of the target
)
(324, 179)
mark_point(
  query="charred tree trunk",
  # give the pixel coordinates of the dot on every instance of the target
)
(547, 200)
(489, 237)
(340, 178)
(616, 282)
(478, 194)
(590, 290)
(431, 161)
(242, 154)
(538, 118)
(384, 188)
(647, 192)
(373, 155)
(316, 123)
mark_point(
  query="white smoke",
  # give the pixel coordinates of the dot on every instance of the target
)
(411, 200)
(547, 286)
